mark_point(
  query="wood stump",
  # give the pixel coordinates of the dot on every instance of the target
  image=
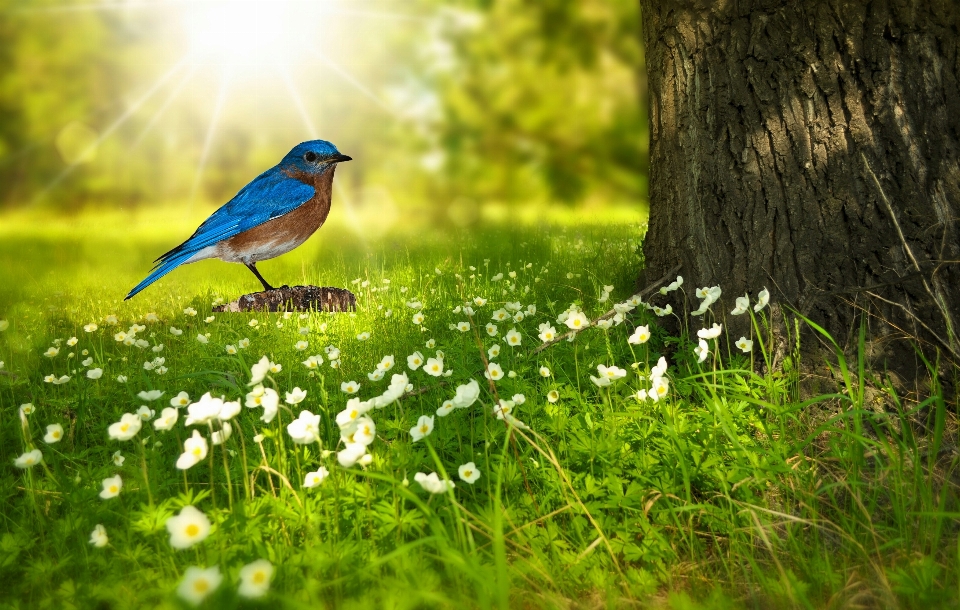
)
(293, 298)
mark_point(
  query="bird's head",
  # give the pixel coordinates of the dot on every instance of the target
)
(313, 157)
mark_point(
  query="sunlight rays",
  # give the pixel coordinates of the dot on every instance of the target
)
(164, 106)
(298, 101)
(116, 124)
(349, 78)
(208, 140)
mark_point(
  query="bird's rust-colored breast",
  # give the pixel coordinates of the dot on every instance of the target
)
(285, 233)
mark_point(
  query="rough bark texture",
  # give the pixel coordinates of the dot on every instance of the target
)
(812, 147)
(294, 298)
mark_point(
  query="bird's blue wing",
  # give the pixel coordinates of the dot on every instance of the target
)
(268, 196)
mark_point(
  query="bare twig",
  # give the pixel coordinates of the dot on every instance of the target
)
(646, 291)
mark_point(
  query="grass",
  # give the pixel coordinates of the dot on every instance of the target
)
(732, 491)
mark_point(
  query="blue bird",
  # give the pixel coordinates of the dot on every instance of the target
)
(272, 215)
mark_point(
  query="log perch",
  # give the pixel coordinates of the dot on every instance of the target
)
(293, 298)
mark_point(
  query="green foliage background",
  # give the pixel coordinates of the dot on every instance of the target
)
(445, 105)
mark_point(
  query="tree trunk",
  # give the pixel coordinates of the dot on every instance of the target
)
(812, 147)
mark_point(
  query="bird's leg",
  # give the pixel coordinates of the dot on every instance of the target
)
(253, 267)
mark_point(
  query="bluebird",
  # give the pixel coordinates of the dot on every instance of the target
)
(272, 215)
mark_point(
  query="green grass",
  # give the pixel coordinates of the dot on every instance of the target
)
(733, 491)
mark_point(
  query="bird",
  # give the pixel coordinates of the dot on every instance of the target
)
(273, 214)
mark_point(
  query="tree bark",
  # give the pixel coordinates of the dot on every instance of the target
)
(812, 147)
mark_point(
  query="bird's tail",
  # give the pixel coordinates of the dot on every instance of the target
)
(167, 263)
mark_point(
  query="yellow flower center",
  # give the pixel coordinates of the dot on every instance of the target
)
(56, 434)
(192, 530)
(424, 428)
(196, 451)
(201, 586)
(467, 473)
(123, 427)
(259, 578)
(113, 489)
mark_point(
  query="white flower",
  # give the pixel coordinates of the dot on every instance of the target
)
(606, 324)
(553, 396)
(365, 431)
(198, 583)
(431, 343)
(98, 537)
(118, 458)
(351, 454)
(188, 528)
(190, 311)
(611, 372)
(466, 395)
(27, 408)
(204, 410)
(126, 428)
(658, 389)
(434, 367)
(111, 320)
(745, 345)
(666, 311)
(121, 379)
(423, 428)
(601, 382)
(641, 335)
(202, 339)
(51, 352)
(376, 375)
(577, 320)
(491, 329)
(28, 459)
(493, 372)
(313, 362)
(743, 304)
(463, 326)
(255, 577)
(702, 351)
(72, 341)
(305, 429)
(386, 363)
(500, 315)
(194, 450)
(313, 479)
(95, 373)
(90, 327)
(762, 299)
(301, 345)
(243, 343)
(469, 473)
(547, 332)
(349, 387)
(259, 370)
(513, 337)
(445, 409)
(710, 333)
(111, 487)
(208, 319)
(415, 361)
(54, 434)
(660, 369)
(544, 371)
(175, 331)
(432, 483)
(479, 301)
(146, 413)
(228, 410)
(418, 318)
(363, 336)
(296, 396)
(168, 417)
(151, 395)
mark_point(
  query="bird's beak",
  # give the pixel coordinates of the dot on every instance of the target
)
(341, 158)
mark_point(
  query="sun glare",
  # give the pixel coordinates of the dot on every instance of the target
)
(249, 36)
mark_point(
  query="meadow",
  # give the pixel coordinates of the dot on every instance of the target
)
(423, 451)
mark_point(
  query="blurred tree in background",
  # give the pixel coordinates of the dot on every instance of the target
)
(448, 105)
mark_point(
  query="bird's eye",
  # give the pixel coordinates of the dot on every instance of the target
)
(310, 157)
